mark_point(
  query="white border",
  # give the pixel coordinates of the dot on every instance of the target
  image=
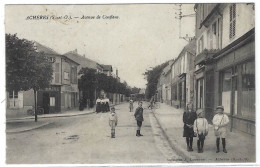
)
(2, 71)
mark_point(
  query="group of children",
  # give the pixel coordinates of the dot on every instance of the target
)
(195, 125)
(102, 105)
(138, 116)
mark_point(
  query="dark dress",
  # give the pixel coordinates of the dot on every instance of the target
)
(188, 118)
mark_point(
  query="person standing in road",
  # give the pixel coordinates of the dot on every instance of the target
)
(131, 105)
(189, 116)
(200, 129)
(139, 118)
(113, 122)
(98, 105)
(220, 123)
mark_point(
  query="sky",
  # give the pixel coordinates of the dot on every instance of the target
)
(142, 36)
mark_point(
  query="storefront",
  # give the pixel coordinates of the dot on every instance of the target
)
(237, 87)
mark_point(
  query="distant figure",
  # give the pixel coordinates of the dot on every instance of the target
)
(113, 122)
(189, 116)
(131, 105)
(201, 129)
(139, 118)
(98, 105)
(220, 123)
(151, 102)
(103, 106)
(107, 108)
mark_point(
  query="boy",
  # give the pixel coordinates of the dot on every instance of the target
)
(200, 128)
(220, 123)
(139, 118)
(113, 121)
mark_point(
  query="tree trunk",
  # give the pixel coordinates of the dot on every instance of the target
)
(35, 106)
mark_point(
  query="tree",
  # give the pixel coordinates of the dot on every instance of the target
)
(25, 68)
(152, 77)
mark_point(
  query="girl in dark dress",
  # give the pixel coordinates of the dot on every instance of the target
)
(98, 105)
(189, 116)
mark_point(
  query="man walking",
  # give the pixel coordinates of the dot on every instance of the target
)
(139, 118)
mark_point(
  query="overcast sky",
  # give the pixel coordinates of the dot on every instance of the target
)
(144, 35)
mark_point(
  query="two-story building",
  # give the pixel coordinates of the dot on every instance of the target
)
(182, 70)
(225, 62)
(62, 93)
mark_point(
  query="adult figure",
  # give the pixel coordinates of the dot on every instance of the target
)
(98, 105)
(131, 105)
(139, 118)
(103, 107)
(151, 102)
(107, 108)
(189, 116)
(220, 123)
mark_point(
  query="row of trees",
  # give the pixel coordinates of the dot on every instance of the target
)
(152, 77)
(91, 82)
(25, 67)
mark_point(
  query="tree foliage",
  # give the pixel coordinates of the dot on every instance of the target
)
(152, 77)
(25, 68)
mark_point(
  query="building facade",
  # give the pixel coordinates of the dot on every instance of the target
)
(62, 93)
(225, 62)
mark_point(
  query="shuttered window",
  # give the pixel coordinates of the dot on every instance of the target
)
(232, 20)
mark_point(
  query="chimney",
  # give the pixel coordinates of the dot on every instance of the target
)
(84, 55)
(117, 72)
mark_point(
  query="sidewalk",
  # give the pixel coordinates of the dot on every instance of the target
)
(240, 146)
(61, 114)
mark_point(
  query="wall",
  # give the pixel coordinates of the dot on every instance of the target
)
(245, 21)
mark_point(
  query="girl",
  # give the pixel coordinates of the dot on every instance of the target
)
(188, 119)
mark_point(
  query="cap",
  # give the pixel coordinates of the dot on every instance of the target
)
(220, 107)
(199, 111)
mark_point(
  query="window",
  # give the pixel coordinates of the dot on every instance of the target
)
(248, 90)
(52, 101)
(232, 21)
(73, 75)
(13, 94)
(201, 44)
(66, 75)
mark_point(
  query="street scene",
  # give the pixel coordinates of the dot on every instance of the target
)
(130, 84)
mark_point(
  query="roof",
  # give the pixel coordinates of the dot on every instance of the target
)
(83, 61)
(168, 67)
(107, 67)
(45, 49)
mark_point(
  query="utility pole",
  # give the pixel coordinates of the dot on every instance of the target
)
(179, 16)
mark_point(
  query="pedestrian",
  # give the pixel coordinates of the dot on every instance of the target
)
(139, 118)
(107, 108)
(220, 123)
(102, 105)
(201, 129)
(113, 122)
(131, 105)
(151, 103)
(98, 105)
(189, 116)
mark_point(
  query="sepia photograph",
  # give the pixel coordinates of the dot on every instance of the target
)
(152, 83)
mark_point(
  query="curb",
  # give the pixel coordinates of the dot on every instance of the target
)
(55, 116)
(28, 129)
(174, 145)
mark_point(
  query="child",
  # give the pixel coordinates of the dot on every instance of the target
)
(200, 128)
(220, 123)
(113, 121)
(139, 118)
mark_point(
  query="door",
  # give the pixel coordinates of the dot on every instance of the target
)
(46, 103)
(210, 95)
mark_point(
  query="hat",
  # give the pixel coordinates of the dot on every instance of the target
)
(199, 111)
(219, 107)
